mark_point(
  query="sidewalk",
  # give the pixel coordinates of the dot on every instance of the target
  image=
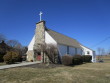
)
(17, 65)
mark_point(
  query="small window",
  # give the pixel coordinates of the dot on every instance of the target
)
(88, 52)
(76, 51)
(67, 49)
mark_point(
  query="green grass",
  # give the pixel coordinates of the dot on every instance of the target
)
(85, 73)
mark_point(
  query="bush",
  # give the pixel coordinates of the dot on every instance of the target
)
(2, 53)
(77, 59)
(23, 58)
(11, 57)
(1, 57)
(8, 59)
(67, 60)
(87, 58)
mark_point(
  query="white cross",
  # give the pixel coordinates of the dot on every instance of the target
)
(40, 15)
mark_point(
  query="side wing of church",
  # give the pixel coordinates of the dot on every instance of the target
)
(65, 45)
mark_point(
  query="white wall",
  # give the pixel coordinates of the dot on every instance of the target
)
(85, 50)
(91, 52)
(31, 45)
(49, 39)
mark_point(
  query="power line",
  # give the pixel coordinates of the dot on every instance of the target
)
(101, 42)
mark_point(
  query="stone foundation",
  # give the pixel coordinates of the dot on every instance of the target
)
(30, 55)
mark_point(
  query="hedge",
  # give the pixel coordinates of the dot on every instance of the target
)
(77, 59)
(87, 58)
(67, 60)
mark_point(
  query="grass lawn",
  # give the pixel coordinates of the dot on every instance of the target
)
(106, 59)
(85, 73)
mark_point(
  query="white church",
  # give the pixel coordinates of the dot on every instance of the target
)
(64, 44)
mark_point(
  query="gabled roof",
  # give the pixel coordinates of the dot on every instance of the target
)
(62, 39)
(87, 47)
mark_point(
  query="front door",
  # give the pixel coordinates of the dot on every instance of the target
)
(38, 57)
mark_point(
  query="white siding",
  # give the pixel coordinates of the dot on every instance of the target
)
(49, 39)
(31, 45)
(85, 50)
(91, 52)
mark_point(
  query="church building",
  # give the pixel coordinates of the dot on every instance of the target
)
(64, 44)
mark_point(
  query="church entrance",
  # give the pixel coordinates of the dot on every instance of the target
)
(39, 57)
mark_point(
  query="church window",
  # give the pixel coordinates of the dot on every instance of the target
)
(67, 49)
(76, 51)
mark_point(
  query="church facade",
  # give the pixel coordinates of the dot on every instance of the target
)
(64, 44)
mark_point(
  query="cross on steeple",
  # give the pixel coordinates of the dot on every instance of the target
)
(40, 15)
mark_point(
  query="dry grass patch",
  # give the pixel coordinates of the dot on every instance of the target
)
(106, 59)
(86, 73)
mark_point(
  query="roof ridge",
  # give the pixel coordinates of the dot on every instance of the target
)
(86, 47)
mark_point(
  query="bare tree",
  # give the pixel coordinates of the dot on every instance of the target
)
(108, 51)
(52, 53)
(101, 52)
(24, 50)
(49, 50)
(2, 37)
(13, 43)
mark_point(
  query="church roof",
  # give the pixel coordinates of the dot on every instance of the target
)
(62, 39)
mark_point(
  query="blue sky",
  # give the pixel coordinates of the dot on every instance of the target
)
(88, 21)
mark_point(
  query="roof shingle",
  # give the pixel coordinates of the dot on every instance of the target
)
(62, 39)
